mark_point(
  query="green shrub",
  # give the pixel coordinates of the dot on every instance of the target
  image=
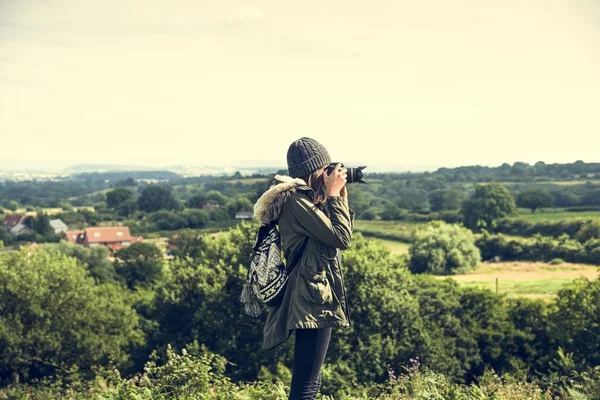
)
(53, 316)
(442, 249)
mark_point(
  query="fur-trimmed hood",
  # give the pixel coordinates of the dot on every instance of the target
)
(269, 205)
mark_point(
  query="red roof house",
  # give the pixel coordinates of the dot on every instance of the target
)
(10, 221)
(113, 237)
(75, 237)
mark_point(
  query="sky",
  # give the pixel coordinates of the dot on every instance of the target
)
(403, 84)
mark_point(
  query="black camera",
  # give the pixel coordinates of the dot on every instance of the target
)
(353, 174)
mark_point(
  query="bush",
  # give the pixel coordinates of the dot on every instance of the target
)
(556, 261)
(538, 248)
(442, 249)
(577, 228)
(53, 316)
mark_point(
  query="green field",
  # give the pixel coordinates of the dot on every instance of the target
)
(49, 211)
(398, 231)
(555, 214)
(525, 279)
(395, 247)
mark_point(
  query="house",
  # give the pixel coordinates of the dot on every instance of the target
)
(58, 226)
(19, 229)
(10, 221)
(210, 206)
(244, 215)
(113, 237)
(75, 237)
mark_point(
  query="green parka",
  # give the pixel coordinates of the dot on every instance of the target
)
(312, 237)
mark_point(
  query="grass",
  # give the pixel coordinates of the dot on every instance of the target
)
(525, 279)
(395, 247)
(49, 210)
(398, 231)
(555, 214)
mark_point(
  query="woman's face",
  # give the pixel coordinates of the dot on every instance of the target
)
(320, 171)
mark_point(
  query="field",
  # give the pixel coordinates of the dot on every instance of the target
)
(555, 214)
(395, 247)
(50, 211)
(525, 279)
(398, 231)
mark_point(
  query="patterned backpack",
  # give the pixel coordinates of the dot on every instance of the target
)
(267, 275)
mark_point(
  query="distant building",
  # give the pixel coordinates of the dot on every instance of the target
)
(113, 237)
(11, 220)
(75, 237)
(246, 215)
(58, 226)
(210, 206)
(19, 229)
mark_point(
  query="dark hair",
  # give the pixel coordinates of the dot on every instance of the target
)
(315, 181)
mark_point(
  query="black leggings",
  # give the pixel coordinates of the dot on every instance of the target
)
(309, 353)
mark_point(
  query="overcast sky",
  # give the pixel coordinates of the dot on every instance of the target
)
(411, 83)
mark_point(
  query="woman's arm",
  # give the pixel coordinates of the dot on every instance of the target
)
(309, 220)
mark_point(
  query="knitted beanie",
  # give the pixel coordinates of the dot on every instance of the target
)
(305, 156)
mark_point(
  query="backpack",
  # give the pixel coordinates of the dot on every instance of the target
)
(267, 275)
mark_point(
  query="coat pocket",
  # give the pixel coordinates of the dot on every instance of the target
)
(316, 288)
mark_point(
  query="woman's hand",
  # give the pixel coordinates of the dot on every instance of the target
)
(336, 181)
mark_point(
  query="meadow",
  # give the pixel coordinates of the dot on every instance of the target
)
(536, 280)
(554, 214)
(525, 279)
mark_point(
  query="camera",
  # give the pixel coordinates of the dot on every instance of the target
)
(354, 174)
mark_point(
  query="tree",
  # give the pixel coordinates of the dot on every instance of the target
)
(488, 204)
(140, 264)
(216, 197)
(574, 320)
(440, 248)
(591, 198)
(118, 196)
(197, 201)
(534, 199)
(359, 199)
(128, 207)
(126, 182)
(155, 198)
(54, 316)
(11, 205)
(168, 220)
(391, 212)
(197, 219)
(240, 203)
(446, 199)
(39, 224)
(94, 259)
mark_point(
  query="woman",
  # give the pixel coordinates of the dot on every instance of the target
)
(315, 223)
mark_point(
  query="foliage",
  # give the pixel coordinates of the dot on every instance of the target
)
(446, 199)
(140, 264)
(581, 229)
(53, 316)
(488, 204)
(155, 198)
(442, 249)
(92, 258)
(574, 321)
(534, 199)
(116, 197)
(538, 248)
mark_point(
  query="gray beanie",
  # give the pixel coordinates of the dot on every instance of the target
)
(305, 156)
